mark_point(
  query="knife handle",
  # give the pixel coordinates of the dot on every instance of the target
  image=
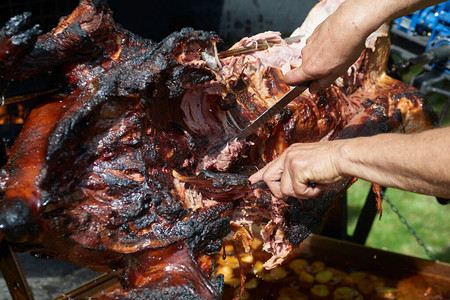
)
(305, 83)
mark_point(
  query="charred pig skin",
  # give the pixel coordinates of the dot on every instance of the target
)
(114, 174)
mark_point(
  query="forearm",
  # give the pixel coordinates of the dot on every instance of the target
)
(367, 15)
(345, 32)
(414, 162)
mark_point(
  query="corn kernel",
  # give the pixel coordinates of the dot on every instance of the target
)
(377, 281)
(343, 292)
(229, 249)
(348, 280)
(247, 258)
(297, 265)
(306, 277)
(256, 243)
(227, 271)
(266, 277)
(258, 267)
(336, 272)
(338, 277)
(230, 260)
(324, 276)
(252, 283)
(386, 292)
(317, 266)
(320, 290)
(278, 273)
(357, 276)
(365, 286)
(234, 282)
(346, 293)
(288, 293)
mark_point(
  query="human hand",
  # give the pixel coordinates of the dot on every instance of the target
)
(291, 174)
(331, 49)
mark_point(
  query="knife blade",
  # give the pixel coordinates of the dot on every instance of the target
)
(263, 118)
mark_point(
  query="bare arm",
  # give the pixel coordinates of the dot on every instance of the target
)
(414, 162)
(417, 162)
(338, 41)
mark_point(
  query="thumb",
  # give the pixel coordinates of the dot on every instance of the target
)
(296, 76)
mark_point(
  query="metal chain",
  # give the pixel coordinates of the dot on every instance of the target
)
(410, 229)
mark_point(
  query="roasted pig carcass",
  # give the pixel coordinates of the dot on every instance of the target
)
(113, 173)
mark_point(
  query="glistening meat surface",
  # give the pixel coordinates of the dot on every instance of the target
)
(113, 174)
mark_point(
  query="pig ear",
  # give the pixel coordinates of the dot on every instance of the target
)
(75, 39)
(17, 40)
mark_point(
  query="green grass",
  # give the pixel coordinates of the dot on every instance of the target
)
(429, 219)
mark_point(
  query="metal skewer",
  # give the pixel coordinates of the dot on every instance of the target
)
(29, 96)
(258, 46)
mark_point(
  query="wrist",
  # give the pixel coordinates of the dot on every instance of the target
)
(340, 157)
(344, 156)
